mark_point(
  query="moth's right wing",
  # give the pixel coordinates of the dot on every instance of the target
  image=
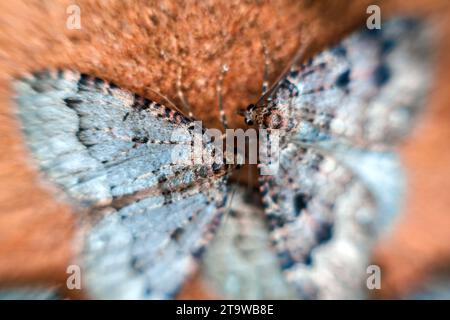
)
(127, 166)
(324, 214)
(324, 209)
(101, 143)
(366, 90)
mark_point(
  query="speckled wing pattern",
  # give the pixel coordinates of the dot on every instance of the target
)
(357, 98)
(241, 262)
(144, 217)
(366, 90)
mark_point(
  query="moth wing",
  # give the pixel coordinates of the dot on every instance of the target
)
(147, 249)
(100, 143)
(366, 90)
(325, 211)
(240, 262)
(125, 163)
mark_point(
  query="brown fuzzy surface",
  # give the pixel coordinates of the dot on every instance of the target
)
(144, 46)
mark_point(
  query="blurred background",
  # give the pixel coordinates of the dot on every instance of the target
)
(140, 45)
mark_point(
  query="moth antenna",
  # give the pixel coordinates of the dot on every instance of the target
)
(299, 55)
(165, 98)
(219, 86)
(181, 96)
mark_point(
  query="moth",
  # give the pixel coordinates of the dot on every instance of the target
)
(145, 221)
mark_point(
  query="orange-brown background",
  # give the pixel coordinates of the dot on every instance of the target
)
(141, 45)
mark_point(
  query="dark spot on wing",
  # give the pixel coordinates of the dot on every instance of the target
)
(140, 139)
(199, 252)
(134, 263)
(290, 87)
(141, 103)
(41, 85)
(233, 213)
(42, 75)
(275, 197)
(300, 202)
(343, 79)
(162, 179)
(410, 23)
(99, 82)
(314, 165)
(293, 73)
(275, 221)
(72, 102)
(381, 75)
(148, 291)
(125, 116)
(286, 260)
(307, 259)
(387, 46)
(137, 102)
(339, 51)
(264, 191)
(325, 232)
(146, 104)
(216, 167)
(372, 33)
(83, 81)
(60, 74)
(203, 172)
(176, 234)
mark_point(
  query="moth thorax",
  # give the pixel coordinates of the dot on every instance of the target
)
(274, 119)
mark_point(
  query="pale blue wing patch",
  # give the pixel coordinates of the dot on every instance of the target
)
(367, 89)
(248, 261)
(100, 142)
(381, 172)
(147, 249)
(125, 162)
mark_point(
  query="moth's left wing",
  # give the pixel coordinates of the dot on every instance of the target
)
(144, 212)
(330, 190)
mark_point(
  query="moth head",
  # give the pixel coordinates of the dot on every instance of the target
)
(248, 114)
